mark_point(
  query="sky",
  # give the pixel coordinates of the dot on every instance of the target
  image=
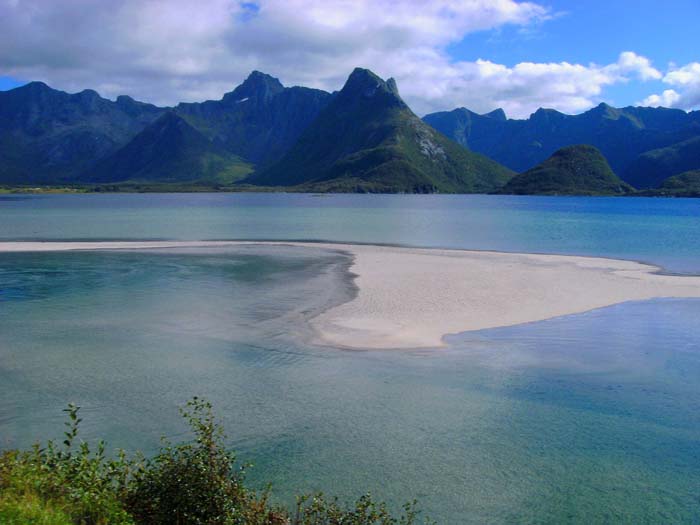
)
(479, 54)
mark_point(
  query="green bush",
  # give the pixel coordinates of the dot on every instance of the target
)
(84, 484)
(317, 510)
(192, 483)
(196, 483)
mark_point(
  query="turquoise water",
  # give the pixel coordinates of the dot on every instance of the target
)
(662, 231)
(591, 418)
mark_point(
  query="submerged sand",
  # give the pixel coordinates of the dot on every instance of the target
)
(410, 298)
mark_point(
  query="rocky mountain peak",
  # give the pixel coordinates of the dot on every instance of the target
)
(258, 86)
(363, 84)
(497, 114)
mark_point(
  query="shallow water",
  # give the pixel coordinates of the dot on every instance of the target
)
(586, 418)
(662, 231)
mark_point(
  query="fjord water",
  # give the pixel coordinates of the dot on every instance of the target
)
(662, 231)
(586, 418)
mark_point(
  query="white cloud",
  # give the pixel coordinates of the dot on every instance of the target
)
(630, 62)
(668, 98)
(685, 91)
(165, 51)
(521, 89)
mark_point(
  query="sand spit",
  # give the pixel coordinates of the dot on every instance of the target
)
(411, 298)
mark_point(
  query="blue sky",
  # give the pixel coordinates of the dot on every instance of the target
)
(597, 31)
(9, 83)
(479, 54)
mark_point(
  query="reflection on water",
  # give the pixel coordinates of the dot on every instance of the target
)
(588, 418)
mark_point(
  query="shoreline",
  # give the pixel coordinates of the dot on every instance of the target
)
(160, 188)
(413, 297)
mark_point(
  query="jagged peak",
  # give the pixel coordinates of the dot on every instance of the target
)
(366, 84)
(258, 79)
(496, 114)
(391, 85)
(604, 109)
(126, 100)
(257, 74)
(362, 79)
(362, 73)
(258, 85)
(546, 113)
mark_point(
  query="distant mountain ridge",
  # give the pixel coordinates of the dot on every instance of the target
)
(652, 167)
(623, 135)
(363, 138)
(48, 135)
(51, 137)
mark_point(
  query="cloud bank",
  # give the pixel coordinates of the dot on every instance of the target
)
(684, 94)
(166, 51)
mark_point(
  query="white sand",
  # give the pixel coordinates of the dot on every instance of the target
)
(411, 298)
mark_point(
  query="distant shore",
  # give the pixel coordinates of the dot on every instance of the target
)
(135, 188)
(411, 297)
(199, 188)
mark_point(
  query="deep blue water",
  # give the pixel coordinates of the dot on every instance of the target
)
(590, 418)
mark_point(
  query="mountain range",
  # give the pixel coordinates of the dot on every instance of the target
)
(48, 136)
(361, 138)
(643, 145)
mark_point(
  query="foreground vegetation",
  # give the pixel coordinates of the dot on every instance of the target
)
(196, 482)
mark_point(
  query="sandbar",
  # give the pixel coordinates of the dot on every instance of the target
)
(413, 297)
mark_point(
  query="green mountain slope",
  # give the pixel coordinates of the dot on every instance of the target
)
(684, 185)
(367, 139)
(650, 169)
(573, 170)
(169, 150)
(48, 136)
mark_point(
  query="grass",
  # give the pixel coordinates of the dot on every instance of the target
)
(196, 482)
(29, 508)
